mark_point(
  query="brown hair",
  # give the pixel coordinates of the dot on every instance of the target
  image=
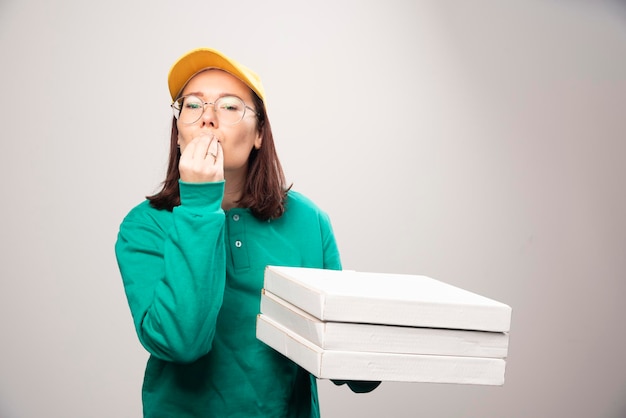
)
(265, 188)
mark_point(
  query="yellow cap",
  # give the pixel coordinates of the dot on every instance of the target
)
(202, 58)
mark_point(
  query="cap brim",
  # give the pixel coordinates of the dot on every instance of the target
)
(202, 58)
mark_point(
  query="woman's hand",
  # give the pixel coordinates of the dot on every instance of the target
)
(202, 160)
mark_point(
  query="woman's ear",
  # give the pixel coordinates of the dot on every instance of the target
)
(258, 140)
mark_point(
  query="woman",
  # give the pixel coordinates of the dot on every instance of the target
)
(192, 256)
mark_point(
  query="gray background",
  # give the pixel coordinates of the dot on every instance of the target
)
(480, 143)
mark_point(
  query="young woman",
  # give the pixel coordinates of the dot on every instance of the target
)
(192, 256)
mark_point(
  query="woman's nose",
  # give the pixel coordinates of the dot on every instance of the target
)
(209, 117)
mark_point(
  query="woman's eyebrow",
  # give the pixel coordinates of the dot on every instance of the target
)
(200, 94)
(194, 93)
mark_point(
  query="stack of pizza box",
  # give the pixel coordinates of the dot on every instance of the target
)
(348, 325)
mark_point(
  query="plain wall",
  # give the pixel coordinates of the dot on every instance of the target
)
(480, 143)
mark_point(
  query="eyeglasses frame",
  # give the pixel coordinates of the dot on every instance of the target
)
(177, 111)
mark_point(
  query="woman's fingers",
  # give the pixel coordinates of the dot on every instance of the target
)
(202, 160)
(213, 149)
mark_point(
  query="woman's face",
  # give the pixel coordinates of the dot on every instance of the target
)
(236, 140)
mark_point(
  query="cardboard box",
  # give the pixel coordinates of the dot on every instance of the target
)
(389, 299)
(359, 365)
(346, 336)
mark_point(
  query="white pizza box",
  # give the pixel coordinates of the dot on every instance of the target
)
(347, 336)
(373, 366)
(385, 298)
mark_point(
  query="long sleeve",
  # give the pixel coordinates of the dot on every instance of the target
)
(332, 261)
(193, 278)
(173, 269)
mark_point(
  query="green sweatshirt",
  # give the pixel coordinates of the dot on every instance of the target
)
(193, 280)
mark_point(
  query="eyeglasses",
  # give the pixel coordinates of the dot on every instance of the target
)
(228, 109)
